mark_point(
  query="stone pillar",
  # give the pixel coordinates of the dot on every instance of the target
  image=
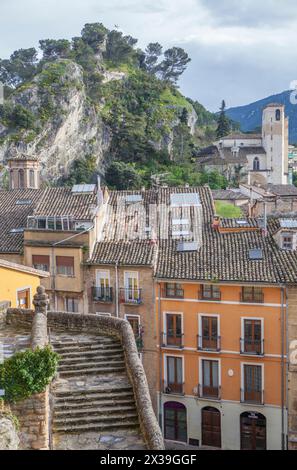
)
(39, 336)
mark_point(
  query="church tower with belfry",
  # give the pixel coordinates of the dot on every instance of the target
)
(23, 172)
(275, 142)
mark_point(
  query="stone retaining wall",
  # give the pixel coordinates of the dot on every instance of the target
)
(120, 329)
(33, 413)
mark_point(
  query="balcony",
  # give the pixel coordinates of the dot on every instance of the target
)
(209, 392)
(209, 343)
(172, 340)
(131, 296)
(172, 294)
(252, 347)
(209, 296)
(173, 388)
(102, 294)
(256, 298)
(254, 397)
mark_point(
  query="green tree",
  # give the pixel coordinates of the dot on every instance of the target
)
(21, 66)
(119, 48)
(54, 49)
(174, 64)
(224, 126)
(94, 34)
(122, 175)
(152, 53)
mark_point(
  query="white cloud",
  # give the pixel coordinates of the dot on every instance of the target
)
(230, 41)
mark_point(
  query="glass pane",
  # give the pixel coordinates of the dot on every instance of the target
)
(206, 373)
(179, 371)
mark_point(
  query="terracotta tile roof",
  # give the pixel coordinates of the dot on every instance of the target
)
(15, 207)
(24, 269)
(227, 195)
(62, 202)
(283, 189)
(132, 252)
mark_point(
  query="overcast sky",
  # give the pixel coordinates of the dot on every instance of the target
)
(241, 50)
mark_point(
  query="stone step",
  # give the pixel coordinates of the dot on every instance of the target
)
(86, 395)
(107, 410)
(94, 371)
(70, 344)
(95, 357)
(113, 419)
(91, 403)
(94, 347)
(90, 364)
(79, 429)
(106, 352)
(107, 391)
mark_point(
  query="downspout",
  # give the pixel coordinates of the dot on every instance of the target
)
(282, 370)
(287, 366)
(160, 359)
(117, 289)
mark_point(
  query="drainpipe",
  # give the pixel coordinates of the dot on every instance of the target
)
(287, 365)
(117, 289)
(283, 313)
(160, 358)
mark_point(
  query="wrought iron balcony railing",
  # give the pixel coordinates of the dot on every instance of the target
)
(172, 340)
(173, 387)
(208, 343)
(131, 296)
(209, 391)
(102, 294)
(252, 347)
(252, 396)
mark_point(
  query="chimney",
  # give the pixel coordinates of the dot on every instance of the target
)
(216, 222)
(99, 192)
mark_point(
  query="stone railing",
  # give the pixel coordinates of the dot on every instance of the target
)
(33, 413)
(122, 330)
(3, 313)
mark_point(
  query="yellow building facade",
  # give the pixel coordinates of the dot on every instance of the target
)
(18, 284)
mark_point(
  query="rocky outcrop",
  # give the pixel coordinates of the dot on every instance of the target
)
(8, 433)
(70, 126)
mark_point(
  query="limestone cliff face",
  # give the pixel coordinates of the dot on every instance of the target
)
(70, 126)
(8, 435)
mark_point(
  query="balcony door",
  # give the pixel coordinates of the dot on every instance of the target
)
(252, 336)
(211, 427)
(131, 287)
(209, 336)
(173, 330)
(210, 378)
(174, 377)
(252, 383)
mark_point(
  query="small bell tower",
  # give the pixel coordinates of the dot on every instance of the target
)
(23, 172)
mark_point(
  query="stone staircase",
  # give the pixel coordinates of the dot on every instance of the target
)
(91, 393)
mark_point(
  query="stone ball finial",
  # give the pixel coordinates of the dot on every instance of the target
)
(41, 300)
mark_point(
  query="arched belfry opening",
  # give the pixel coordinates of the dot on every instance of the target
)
(23, 172)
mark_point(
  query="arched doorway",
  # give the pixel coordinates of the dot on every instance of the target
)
(211, 427)
(252, 431)
(175, 421)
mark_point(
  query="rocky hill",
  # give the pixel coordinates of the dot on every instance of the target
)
(98, 100)
(250, 115)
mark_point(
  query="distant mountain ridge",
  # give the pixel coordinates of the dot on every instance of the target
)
(250, 115)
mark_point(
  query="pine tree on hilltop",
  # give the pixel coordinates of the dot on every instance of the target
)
(224, 125)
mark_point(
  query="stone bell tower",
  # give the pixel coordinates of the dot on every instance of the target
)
(275, 142)
(23, 172)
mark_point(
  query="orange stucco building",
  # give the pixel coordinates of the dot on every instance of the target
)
(223, 360)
